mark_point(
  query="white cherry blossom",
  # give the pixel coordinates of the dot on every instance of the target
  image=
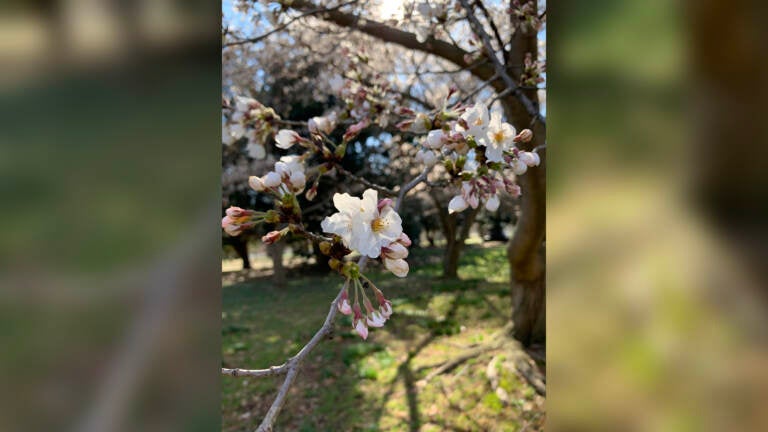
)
(499, 136)
(529, 158)
(477, 122)
(286, 138)
(361, 225)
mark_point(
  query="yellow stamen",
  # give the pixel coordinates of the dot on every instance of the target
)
(378, 224)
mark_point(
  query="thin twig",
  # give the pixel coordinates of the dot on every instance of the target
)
(480, 31)
(293, 365)
(285, 25)
(365, 182)
(274, 370)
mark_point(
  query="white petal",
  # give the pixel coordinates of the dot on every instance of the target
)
(393, 224)
(398, 267)
(370, 199)
(493, 203)
(298, 180)
(495, 153)
(347, 203)
(397, 251)
(361, 329)
(457, 204)
(285, 138)
(519, 167)
(339, 224)
(272, 179)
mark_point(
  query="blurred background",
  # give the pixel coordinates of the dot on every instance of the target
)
(109, 254)
(110, 247)
(656, 216)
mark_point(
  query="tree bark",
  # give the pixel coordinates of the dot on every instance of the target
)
(526, 252)
(456, 229)
(275, 251)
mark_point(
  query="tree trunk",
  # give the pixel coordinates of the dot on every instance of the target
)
(451, 259)
(241, 247)
(456, 228)
(526, 249)
(275, 251)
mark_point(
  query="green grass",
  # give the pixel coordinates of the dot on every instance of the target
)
(349, 384)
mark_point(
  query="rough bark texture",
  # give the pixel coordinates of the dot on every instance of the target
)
(526, 249)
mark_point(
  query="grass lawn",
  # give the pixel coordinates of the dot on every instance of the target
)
(348, 384)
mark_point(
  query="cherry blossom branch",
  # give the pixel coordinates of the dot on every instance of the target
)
(365, 182)
(410, 185)
(294, 363)
(285, 25)
(274, 370)
(292, 367)
(432, 45)
(511, 85)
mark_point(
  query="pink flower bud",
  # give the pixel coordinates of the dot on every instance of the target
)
(361, 329)
(399, 267)
(404, 240)
(343, 303)
(385, 308)
(394, 251)
(435, 139)
(525, 136)
(237, 212)
(272, 237)
(386, 202)
(358, 323)
(311, 193)
(355, 129)
(404, 125)
(255, 183)
(298, 180)
(493, 203)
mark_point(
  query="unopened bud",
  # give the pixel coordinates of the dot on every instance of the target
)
(386, 202)
(272, 237)
(255, 183)
(524, 136)
(311, 193)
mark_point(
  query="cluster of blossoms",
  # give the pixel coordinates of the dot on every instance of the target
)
(372, 227)
(252, 120)
(287, 177)
(475, 147)
(372, 317)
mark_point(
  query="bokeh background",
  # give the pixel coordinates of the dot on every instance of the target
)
(110, 251)
(656, 217)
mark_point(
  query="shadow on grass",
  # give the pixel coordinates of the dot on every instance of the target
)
(346, 383)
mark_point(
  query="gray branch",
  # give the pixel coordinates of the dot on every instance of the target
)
(292, 367)
(500, 70)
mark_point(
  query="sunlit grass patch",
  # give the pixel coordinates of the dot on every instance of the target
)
(380, 384)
